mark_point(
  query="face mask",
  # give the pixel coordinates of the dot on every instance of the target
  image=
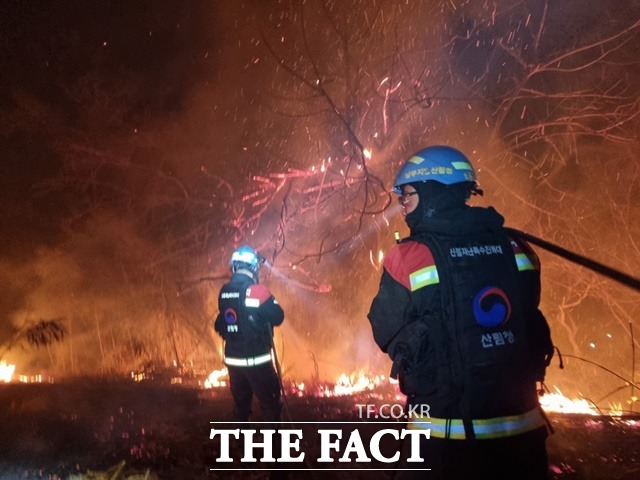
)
(414, 218)
(435, 199)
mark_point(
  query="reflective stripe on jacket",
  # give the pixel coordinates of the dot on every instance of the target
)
(483, 429)
(247, 362)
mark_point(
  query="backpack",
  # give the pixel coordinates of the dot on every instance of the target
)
(241, 326)
(478, 345)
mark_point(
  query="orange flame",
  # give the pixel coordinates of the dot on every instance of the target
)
(355, 383)
(215, 379)
(6, 371)
(559, 403)
(363, 381)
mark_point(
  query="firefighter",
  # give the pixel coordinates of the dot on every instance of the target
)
(248, 312)
(457, 312)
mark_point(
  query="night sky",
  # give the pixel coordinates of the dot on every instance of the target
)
(141, 142)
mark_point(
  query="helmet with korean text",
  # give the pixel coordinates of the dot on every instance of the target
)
(438, 163)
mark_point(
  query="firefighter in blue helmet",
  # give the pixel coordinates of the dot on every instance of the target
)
(247, 314)
(457, 312)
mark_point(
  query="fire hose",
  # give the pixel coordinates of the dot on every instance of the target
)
(597, 267)
(617, 275)
(276, 363)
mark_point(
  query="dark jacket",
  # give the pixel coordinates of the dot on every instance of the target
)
(457, 312)
(247, 314)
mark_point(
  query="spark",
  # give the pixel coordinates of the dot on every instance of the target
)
(335, 183)
(376, 263)
(387, 93)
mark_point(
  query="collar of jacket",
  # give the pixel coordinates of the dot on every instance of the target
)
(464, 221)
(245, 273)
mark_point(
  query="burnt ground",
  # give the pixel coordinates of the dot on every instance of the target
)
(127, 430)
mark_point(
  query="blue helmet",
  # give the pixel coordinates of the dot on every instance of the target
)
(246, 258)
(438, 163)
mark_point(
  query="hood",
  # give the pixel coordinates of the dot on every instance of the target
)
(461, 221)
